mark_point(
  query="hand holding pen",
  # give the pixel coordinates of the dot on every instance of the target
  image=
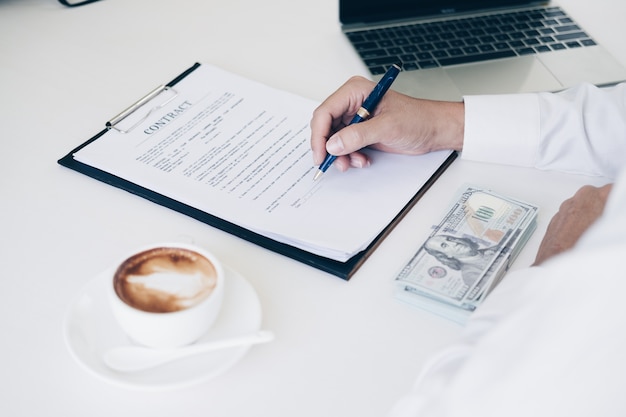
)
(401, 124)
(366, 108)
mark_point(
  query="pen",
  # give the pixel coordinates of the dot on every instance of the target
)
(366, 108)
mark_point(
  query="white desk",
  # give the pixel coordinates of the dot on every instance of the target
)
(342, 348)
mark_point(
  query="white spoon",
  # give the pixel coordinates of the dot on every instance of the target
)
(138, 358)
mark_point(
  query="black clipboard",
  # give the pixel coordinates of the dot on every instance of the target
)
(343, 270)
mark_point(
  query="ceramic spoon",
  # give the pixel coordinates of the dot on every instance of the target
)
(138, 358)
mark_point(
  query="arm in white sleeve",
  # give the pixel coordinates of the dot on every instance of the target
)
(549, 341)
(581, 130)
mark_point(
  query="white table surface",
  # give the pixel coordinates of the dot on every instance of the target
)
(342, 348)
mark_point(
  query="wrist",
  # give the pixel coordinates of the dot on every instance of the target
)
(449, 129)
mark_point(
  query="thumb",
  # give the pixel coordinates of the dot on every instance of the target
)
(347, 140)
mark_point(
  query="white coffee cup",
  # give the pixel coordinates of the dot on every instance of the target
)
(167, 295)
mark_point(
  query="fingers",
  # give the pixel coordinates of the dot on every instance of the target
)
(574, 217)
(320, 132)
(353, 160)
(335, 113)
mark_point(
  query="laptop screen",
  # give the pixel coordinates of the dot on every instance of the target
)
(368, 11)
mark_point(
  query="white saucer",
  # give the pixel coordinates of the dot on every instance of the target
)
(90, 329)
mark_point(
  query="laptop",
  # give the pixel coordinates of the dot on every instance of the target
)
(451, 48)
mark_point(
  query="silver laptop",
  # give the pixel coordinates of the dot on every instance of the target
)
(451, 48)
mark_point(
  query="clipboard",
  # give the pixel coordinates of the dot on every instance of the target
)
(344, 270)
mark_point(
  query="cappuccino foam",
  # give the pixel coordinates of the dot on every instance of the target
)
(163, 280)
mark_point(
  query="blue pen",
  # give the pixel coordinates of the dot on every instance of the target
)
(367, 107)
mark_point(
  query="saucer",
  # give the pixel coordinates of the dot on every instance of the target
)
(90, 329)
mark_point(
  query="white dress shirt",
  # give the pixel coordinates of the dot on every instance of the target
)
(549, 340)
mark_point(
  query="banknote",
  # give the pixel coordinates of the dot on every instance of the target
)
(491, 278)
(468, 252)
(505, 258)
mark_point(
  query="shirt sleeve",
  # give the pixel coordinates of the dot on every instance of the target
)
(581, 130)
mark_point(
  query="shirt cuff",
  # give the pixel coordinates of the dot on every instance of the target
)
(502, 129)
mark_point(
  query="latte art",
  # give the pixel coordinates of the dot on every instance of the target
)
(164, 280)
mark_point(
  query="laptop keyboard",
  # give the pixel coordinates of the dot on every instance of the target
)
(465, 40)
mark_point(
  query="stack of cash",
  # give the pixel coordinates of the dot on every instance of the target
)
(467, 253)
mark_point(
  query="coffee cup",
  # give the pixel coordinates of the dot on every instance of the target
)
(167, 295)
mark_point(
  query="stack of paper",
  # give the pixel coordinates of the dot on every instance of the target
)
(240, 151)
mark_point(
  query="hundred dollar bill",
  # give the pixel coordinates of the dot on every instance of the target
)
(490, 279)
(432, 305)
(471, 238)
(505, 258)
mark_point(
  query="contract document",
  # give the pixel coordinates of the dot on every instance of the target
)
(240, 151)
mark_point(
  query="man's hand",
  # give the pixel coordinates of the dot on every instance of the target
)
(399, 124)
(574, 217)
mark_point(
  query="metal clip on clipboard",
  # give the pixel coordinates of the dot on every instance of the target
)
(112, 124)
